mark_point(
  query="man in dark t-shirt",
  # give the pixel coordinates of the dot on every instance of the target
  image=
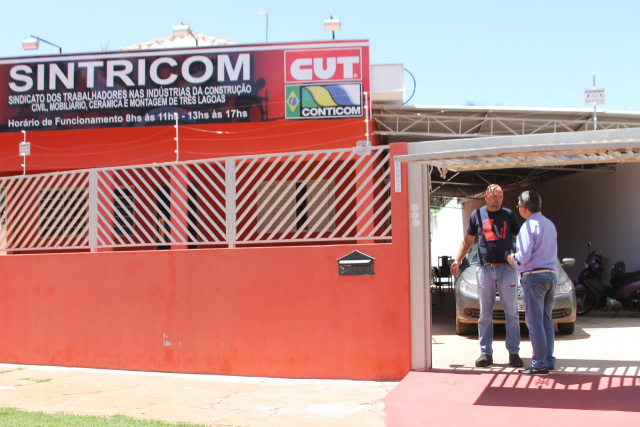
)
(495, 227)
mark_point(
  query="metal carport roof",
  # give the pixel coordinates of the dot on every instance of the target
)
(396, 123)
(522, 157)
(446, 125)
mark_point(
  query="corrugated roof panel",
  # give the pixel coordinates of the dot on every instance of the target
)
(560, 159)
(607, 146)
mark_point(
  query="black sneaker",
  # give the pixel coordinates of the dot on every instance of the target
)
(533, 371)
(484, 360)
(515, 361)
(551, 368)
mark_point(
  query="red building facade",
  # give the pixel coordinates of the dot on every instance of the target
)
(86, 279)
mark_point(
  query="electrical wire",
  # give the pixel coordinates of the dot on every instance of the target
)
(109, 144)
(295, 148)
(263, 134)
(414, 86)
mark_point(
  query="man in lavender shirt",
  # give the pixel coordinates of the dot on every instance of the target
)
(535, 262)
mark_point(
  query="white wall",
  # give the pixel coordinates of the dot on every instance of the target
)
(446, 232)
(601, 207)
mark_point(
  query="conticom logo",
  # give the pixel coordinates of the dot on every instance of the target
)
(323, 65)
(323, 101)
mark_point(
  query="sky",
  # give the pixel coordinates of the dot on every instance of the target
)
(530, 54)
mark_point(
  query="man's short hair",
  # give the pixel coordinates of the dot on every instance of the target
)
(531, 200)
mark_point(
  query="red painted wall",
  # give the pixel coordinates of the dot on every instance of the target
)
(272, 311)
(97, 148)
(279, 312)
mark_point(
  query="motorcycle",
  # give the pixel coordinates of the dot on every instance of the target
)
(623, 291)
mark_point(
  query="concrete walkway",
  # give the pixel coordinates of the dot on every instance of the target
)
(597, 381)
(202, 399)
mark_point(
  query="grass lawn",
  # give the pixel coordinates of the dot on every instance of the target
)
(15, 418)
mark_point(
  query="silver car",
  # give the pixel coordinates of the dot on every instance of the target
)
(468, 307)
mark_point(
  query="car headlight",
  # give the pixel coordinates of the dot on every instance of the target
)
(469, 288)
(564, 288)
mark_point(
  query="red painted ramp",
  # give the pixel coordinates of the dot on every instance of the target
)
(444, 398)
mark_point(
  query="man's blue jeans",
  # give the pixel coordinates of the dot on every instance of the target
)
(502, 279)
(538, 290)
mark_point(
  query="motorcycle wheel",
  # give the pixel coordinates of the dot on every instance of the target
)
(585, 302)
(633, 303)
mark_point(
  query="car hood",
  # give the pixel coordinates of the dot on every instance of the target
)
(469, 274)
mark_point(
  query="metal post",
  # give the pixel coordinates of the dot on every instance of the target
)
(266, 32)
(230, 184)
(266, 35)
(24, 158)
(595, 118)
(177, 138)
(93, 210)
(366, 113)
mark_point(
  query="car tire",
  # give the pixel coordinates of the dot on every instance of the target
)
(464, 328)
(566, 328)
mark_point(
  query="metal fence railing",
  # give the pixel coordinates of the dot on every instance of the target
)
(310, 197)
